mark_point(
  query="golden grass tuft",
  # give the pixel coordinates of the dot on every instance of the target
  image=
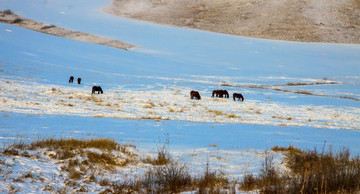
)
(71, 144)
(281, 117)
(99, 116)
(216, 112)
(233, 116)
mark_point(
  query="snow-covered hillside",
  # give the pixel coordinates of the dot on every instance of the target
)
(300, 94)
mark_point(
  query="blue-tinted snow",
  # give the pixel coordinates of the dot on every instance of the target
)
(147, 134)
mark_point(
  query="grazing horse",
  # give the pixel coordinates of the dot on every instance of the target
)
(97, 89)
(79, 80)
(220, 93)
(195, 94)
(71, 80)
(238, 96)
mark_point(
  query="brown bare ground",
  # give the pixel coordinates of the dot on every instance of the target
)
(295, 20)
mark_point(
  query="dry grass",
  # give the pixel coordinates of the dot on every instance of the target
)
(310, 172)
(216, 112)
(283, 118)
(211, 182)
(232, 116)
(170, 178)
(163, 156)
(175, 178)
(79, 158)
(324, 172)
(291, 149)
(71, 144)
(249, 182)
(98, 116)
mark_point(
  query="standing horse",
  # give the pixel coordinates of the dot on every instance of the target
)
(220, 93)
(79, 80)
(238, 96)
(195, 94)
(71, 80)
(97, 89)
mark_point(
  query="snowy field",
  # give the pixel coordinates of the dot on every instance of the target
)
(301, 94)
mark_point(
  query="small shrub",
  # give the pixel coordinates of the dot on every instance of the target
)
(310, 172)
(170, 178)
(324, 172)
(211, 182)
(249, 182)
(163, 156)
(270, 180)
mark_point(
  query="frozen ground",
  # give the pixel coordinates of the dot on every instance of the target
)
(300, 94)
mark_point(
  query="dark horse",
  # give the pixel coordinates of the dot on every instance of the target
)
(79, 80)
(97, 89)
(220, 93)
(71, 80)
(195, 94)
(238, 96)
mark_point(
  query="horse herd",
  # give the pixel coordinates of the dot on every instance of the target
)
(217, 93)
(193, 94)
(97, 89)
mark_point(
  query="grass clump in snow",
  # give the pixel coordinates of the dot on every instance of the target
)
(175, 177)
(324, 172)
(269, 179)
(71, 144)
(163, 156)
(212, 182)
(79, 157)
(171, 178)
(309, 172)
(289, 150)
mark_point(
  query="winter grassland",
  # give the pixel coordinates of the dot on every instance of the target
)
(301, 94)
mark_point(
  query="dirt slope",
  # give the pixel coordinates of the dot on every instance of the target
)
(295, 20)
